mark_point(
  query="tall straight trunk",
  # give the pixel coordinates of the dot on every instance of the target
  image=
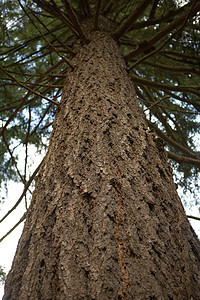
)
(105, 221)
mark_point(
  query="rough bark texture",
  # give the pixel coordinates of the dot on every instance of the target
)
(105, 220)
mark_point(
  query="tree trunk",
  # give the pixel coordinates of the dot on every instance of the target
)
(105, 221)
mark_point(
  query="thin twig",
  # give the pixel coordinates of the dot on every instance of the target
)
(15, 226)
(24, 99)
(28, 88)
(26, 149)
(13, 159)
(193, 217)
(157, 102)
(36, 84)
(24, 192)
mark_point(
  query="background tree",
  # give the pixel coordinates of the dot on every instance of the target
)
(44, 47)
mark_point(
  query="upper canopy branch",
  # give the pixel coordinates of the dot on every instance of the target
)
(171, 142)
(96, 15)
(38, 29)
(54, 10)
(181, 21)
(171, 68)
(27, 87)
(130, 20)
(74, 20)
(166, 18)
(180, 54)
(166, 87)
(153, 9)
(183, 159)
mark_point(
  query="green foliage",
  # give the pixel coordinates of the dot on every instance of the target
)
(2, 275)
(160, 44)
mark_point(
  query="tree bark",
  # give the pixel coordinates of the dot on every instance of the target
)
(105, 221)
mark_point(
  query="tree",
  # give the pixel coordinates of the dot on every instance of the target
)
(105, 220)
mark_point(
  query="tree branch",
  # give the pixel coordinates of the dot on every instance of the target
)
(123, 28)
(96, 16)
(28, 88)
(153, 9)
(42, 35)
(156, 103)
(196, 105)
(154, 51)
(13, 159)
(36, 84)
(15, 226)
(26, 149)
(74, 20)
(171, 142)
(146, 46)
(183, 159)
(167, 18)
(176, 53)
(171, 68)
(166, 87)
(57, 13)
(157, 113)
(84, 4)
(24, 192)
(55, 37)
(195, 218)
(24, 99)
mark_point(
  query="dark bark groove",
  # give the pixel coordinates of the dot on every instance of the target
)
(105, 220)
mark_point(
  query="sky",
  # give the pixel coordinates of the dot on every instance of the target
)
(9, 244)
